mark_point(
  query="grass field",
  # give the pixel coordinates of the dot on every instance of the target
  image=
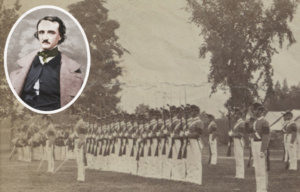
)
(21, 176)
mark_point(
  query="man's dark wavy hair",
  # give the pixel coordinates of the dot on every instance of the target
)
(61, 28)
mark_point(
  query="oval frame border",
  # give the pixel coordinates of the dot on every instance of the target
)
(88, 58)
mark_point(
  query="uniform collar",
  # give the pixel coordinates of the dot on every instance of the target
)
(239, 120)
(260, 118)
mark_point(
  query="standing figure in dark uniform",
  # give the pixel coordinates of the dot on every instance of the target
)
(260, 147)
(212, 140)
(237, 134)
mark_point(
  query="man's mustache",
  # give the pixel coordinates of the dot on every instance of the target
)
(45, 41)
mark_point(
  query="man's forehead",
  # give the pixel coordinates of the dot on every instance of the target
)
(48, 25)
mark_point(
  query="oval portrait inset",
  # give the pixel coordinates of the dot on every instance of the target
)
(47, 59)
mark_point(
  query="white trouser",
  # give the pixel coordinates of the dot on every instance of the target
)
(104, 166)
(57, 151)
(150, 159)
(64, 152)
(126, 157)
(213, 148)
(286, 148)
(142, 165)
(156, 159)
(194, 162)
(27, 153)
(261, 174)
(252, 147)
(37, 153)
(292, 152)
(131, 159)
(118, 161)
(50, 158)
(20, 153)
(80, 164)
(298, 141)
(238, 147)
(144, 161)
(166, 162)
(178, 167)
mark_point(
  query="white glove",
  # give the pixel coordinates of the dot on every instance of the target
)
(230, 133)
(165, 131)
(186, 133)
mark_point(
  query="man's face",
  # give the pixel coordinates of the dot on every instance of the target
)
(48, 34)
(289, 117)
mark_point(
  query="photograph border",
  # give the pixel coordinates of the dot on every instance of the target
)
(87, 67)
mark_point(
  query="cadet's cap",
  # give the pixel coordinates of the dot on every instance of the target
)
(165, 112)
(257, 105)
(210, 115)
(173, 108)
(195, 108)
(178, 109)
(288, 112)
(237, 110)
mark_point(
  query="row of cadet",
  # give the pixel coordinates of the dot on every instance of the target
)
(168, 144)
(30, 143)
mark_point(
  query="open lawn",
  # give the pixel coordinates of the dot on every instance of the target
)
(21, 176)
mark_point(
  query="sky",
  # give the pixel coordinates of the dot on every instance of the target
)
(163, 66)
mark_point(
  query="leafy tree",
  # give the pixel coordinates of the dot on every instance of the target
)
(141, 109)
(242, 37)
(102, 87)
(8, 17)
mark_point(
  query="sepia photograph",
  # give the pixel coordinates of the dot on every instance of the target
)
(136, 95)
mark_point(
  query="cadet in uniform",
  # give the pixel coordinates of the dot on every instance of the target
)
(51, 132)
(178, 167)
(194, 147)
(142, 164)
(37, 151)
(157, 169)
(151, 148)
(80, 128)
(130, 151)
(212, 131)
(238, 133)
(291, 142)
(260, 147)
(285, 155)
(166, 142)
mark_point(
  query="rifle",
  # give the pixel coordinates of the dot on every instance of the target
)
(101, 140)
(139, 144)
(133, 143)
(93, 143)
(170, 156)
(149, 150)
(143, 140)
(126, 142)
(247, 128)
(156, 150)
(164, 146)
(186, 139)
(109, 141)
(121, 144)
(230, 139)
(84, 156)
(181, 140)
